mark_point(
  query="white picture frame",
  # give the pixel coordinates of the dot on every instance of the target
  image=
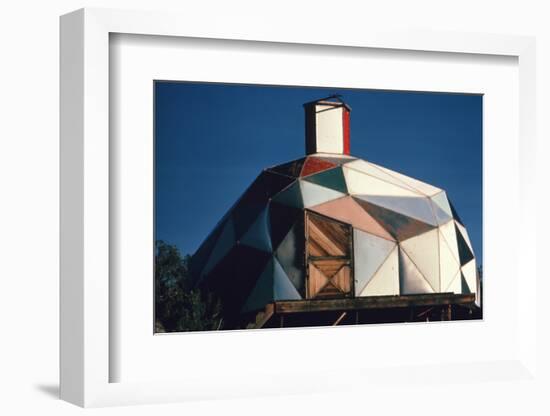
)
(85, 217)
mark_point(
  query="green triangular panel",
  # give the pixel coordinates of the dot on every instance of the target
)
(225, 242)
(464, 251)
(332, 178)
(283, 289)
(290, 254)
(291, 196)
(262, 294)
(257, 235)
(281, 219)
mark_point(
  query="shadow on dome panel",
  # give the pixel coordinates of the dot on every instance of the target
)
(275, 209)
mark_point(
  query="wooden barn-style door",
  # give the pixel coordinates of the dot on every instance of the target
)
(328, 258)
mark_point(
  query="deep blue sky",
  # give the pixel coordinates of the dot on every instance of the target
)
(212, 140)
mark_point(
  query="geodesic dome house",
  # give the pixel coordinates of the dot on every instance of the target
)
(332, 226)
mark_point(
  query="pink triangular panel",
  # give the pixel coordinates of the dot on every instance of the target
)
(347, 210)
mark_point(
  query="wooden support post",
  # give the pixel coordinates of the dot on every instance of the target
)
(342, 316)
(412, 313)
(446, 312)
(282, 321)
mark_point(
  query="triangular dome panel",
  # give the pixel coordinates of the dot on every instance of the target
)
(258, 235)
(292, 169)
(369, 253)
(423, 250)
(386, 279)
(441, 208)
(448, 232)
(401, 227)
(455, 286)
(313, 194)
(375, 171)
(203, 253)
(224, 244)
(347, 210)
(464, 251)
(290, 255)
(449, 266)
(464, 233)
(266, 185)
(359, 183)
(411, 280)
(262, 293)
(314, 165)
(470, 275)
(332, 179)
(420, 186)
(281, 219)
(283, 289)
(418, 208)
(291, 196)
(464, 285)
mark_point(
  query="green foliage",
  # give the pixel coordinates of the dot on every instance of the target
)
(178, 305)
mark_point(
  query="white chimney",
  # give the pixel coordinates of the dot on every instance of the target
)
(327, 126)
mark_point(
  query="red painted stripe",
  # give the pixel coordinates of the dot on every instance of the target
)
(345, 116)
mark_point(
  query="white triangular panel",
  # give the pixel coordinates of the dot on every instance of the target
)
(313, 194)
(257, 235)
(449, 234)
(442, 209)
(423, 250)
(372, 170)
(386, 279)
(418, 207)
(411, 280)
(448, 264)
(455, 286)
(369, 252)
(470, 275)
(420, 186)
(359, 183)
(283, 289)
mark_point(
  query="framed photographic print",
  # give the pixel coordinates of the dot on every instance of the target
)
(327, 238)
(285, 208)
